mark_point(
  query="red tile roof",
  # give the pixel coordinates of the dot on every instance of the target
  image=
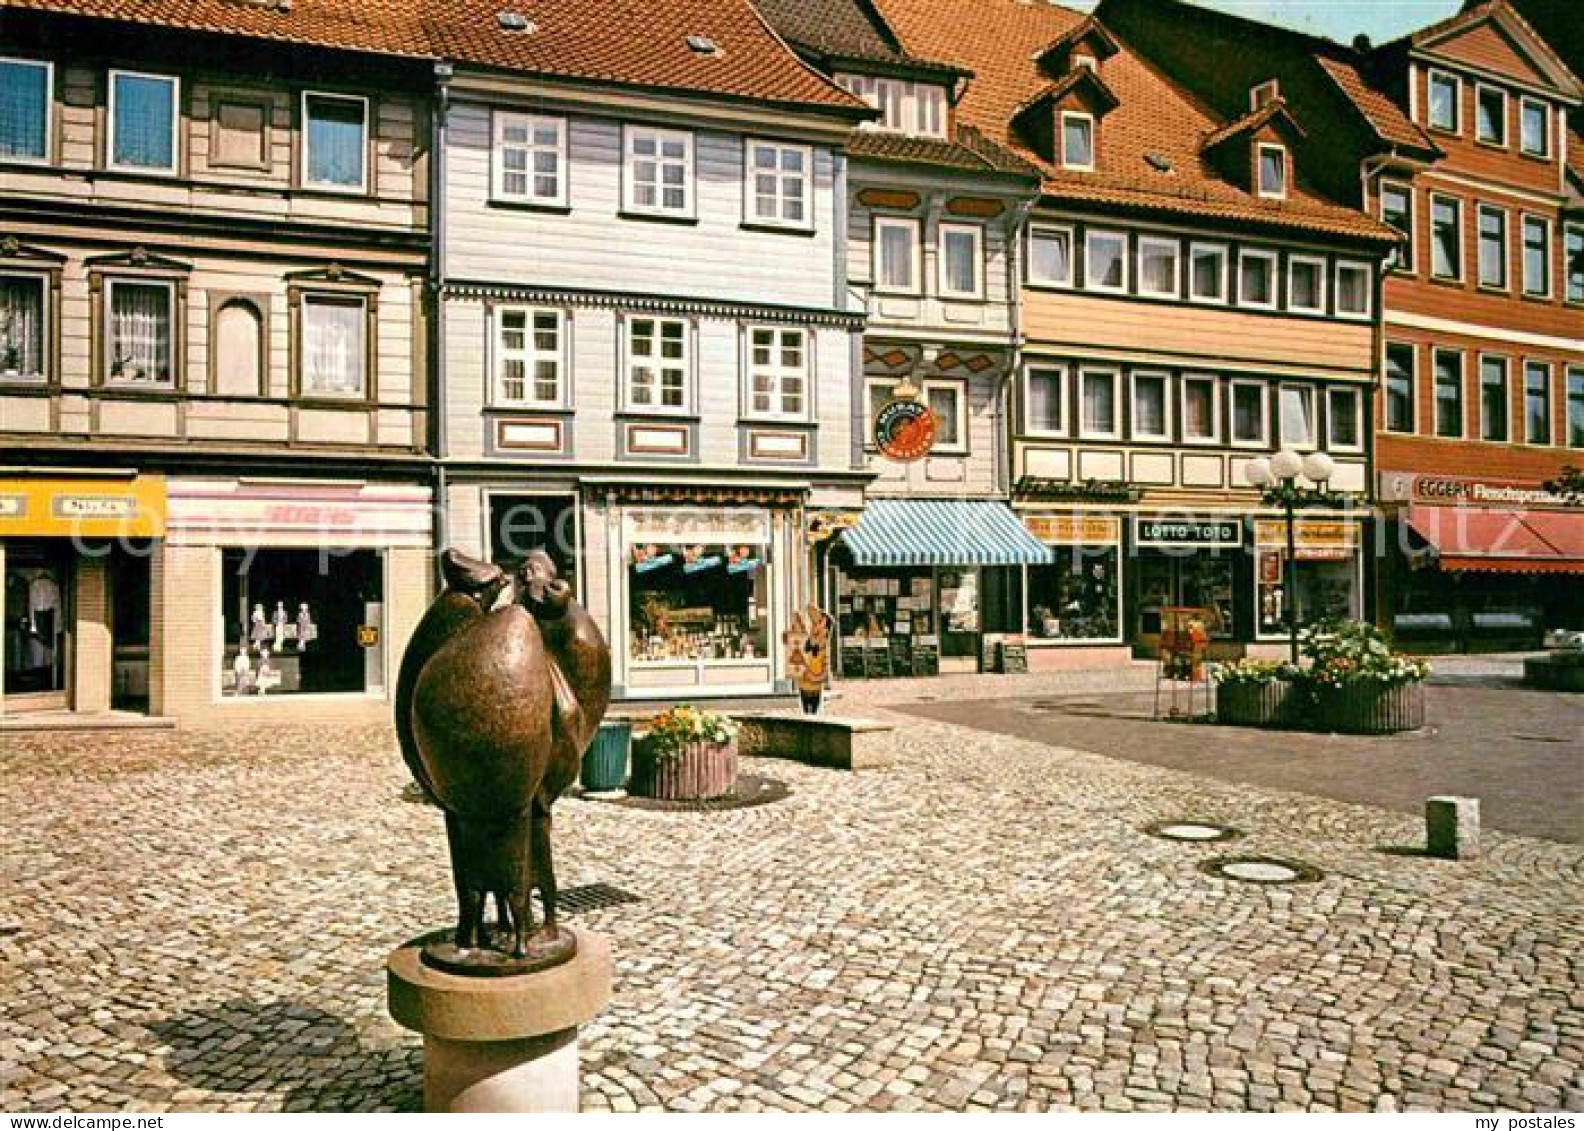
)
(970, 152)
(1253, 120)
(1156, 122)
(626, 42)
(1384, 116)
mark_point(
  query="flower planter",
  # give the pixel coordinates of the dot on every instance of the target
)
(1369, 708)
(1255, 704)
(699, 772)
(605, 761)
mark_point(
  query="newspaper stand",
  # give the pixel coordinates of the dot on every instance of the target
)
(1184, 642)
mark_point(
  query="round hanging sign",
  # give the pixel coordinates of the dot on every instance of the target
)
(904, 430)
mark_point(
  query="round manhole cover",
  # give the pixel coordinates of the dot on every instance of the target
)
(1261, 870)
(1200, 831)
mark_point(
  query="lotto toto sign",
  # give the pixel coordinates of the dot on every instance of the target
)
(905, 430)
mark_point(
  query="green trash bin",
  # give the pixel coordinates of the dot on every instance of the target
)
(605, 761)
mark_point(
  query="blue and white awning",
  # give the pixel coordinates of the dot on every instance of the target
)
(942, 532)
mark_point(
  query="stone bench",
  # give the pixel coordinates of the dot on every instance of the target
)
(818, 740)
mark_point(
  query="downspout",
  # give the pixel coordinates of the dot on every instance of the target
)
(436, 300)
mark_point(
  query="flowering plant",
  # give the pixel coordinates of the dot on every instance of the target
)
(1248, 672)
(671, 732)
(1341, 653)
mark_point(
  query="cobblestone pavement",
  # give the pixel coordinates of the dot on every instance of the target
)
(200, 920)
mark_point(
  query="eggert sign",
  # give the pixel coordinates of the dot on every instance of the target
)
(904, 430)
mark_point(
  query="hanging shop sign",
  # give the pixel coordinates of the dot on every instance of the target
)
(1074, 529)
(823, 525)
(1313, 539)
(1196, 532)
(904, 430)
(712, 526)
(129, 507)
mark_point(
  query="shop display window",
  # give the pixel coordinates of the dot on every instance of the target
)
(1326, 589)
(1198, 580)
(698, 603)
(1075, 598)
(37, 617)
(887, 624)
(302, 622)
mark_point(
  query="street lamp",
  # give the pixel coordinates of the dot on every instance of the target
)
(1277, 479)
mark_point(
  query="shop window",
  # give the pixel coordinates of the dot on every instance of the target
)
(1344, 423)
(1445, 92)
(1449, 393)
(778, 373)
(335, 142)
(948, 400)
(1328, 587)
(1097, 395)
(961, 261)
(22, 335)
(699, 603)
(1493, 399)
(529, 352)
(896, 255)
(38, 578)
(1105, 260)
(1400, 369)
(1200, 410)
(1272, 171)
(1353, 282)
(1044, 400)
(333, 354)
(1536, 257)
(1535, 128)
(1250, 413)
(1490, 115)
(1446, 237)
(530, 158)
(1183, 578)
(25, 96)
(1537, 402)
(1575, 408)
(144, 112)
(1151, 406)
(659, 171)
(1050, 256)
(779, 184)
(140, 326)
(1076, 598)
(302, 622)
(1207, 276)
(1306, 284)
(658, 364)
(238, 349)
(1396, 211)
(1257, 279)
(1296, 410)
(1492, 247)
(1157, 267)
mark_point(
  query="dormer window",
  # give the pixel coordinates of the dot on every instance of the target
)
(1272, 171)
(1445, 90)
(1084, 61)
(1077, 140)
(914, 108)
(1264, 93)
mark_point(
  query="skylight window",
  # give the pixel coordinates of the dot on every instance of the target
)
(702, 45)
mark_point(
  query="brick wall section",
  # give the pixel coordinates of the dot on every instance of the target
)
(91, 645)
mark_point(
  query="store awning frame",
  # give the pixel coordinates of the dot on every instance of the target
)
(941, 532)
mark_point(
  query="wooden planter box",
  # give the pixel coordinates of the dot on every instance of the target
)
(1370, 709)
(1255, 704)
(703, 770)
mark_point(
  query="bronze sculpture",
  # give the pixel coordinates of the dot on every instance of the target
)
(494, 708)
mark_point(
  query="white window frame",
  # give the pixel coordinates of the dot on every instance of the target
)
(368, 127)
(1343, 265)
(108, 331)
(1479, 381)
(1263, 388)
(1225, 254)
(656, 364)
(1214, 382)
(1481, 89)
(1167, 414)
(1063, 373)
(1525, 219)
(529, 355)
(1090, 234)
(1457, 101)
(1410, 244)
(500, 120)
(1138, 265)
(1318, 262)
(689, 209)
(1570, 231)
(175, 125)
(976, 231)
(1480, 211)
(1436, 353)
(334, 298)
(1079, 116)
(48, 68)
(1314, 417)
(1524, 104)
(751, 190)
(960, 390)
(43, 376)
(1037, 230)
(1550, 402)
(1462, 251)
(1115, 431)
(1280, 192)
(916, 242)
(1273, 260)
(1263, 93)
(778, 372)
(1357, 397)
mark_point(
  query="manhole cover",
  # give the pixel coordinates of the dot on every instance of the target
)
(1260, 870)
(592, 897)
(1202, 831)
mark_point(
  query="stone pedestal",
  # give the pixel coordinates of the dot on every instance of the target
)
(1452, 827)
(500, 1044)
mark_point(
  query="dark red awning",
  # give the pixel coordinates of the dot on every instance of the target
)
(1502, 541)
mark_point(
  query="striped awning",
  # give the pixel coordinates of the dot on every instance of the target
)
(942, 532)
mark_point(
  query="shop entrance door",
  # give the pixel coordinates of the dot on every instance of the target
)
(1199, 581)
(37, 615)
(959, 616)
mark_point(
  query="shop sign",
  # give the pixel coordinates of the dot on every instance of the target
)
(904, 430)
(1407, 486)
(689, 525)
(307, 514)
(1308, 534)
(1074, 529)
(133, 507)
(1213, 532)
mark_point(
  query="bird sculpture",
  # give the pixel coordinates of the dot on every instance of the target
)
(495, 703)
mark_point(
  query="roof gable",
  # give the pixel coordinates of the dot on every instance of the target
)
(1091, 34)
(1493, 38)
(1273, 114)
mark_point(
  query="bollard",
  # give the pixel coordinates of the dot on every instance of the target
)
(1452, 827)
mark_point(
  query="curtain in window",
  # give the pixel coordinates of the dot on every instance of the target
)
(144, 116)
(140, 332)
(1045, 407)
(333, 347)
(24, 102)
(1297, 416)
(335, 141)
(943, 403)
(1051, 256)
(1247, 413)
(1099, 403)
(896, 256)
(1199, 410)
(1149, 406)
(961, 267)
(1160, 270)
(21, 327)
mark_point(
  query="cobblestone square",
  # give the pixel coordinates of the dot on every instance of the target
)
(198, 920)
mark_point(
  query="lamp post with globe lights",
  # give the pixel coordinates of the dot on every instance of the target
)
(1277, 480)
